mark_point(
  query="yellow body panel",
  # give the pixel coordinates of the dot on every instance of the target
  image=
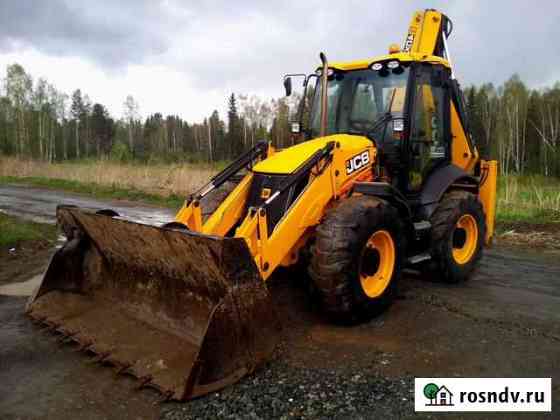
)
(403, 57)
(307, 211)
(423, 32)
(487, 194)
(461, 153)
(191, 216)
(288, 160)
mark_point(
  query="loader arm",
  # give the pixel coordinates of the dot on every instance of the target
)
(269, 251)
(190, 215)
(328, 181)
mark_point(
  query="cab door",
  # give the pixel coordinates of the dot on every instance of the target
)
(429, 139)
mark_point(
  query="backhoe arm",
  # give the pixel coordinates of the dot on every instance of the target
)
(426, 33)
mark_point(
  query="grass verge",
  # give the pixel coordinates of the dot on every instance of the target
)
(528, 199)
(14, 231)
(96, 190)
(155, 179)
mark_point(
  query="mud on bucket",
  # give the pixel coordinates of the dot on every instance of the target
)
(185, 313)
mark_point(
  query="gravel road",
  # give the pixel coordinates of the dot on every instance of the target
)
(504, 322)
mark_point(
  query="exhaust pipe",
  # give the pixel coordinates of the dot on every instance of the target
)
(324, 101)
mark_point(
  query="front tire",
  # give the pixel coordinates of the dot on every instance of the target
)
(458, 232)
(357, 258)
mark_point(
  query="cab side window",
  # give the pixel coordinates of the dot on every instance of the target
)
(427, 137)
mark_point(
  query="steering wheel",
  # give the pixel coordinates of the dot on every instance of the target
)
(365, 125)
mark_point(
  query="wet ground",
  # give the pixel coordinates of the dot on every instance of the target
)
(504, 322)
(39, 205)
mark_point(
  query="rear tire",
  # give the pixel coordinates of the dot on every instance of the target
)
(458, 232)
(356, 258)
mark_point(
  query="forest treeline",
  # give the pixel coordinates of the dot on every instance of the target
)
(40, 122)
(517, 125)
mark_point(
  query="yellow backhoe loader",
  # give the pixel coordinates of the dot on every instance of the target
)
(388, 177)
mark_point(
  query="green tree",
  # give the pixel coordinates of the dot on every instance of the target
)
(217, 141)
(280, 130)
(102, 129)
(534, 144)
(131, 116)
(234, 136)
(18, 89)
(39, 106)
(77, 110)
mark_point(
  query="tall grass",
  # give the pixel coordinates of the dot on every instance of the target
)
(159, 179)
(520, 198)
(528, 198)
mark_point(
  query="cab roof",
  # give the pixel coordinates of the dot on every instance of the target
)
(403, 57)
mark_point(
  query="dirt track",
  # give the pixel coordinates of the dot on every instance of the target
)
(39, 205)
(504, 322)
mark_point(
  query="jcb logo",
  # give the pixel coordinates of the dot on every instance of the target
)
(408, 42)
(357, 162)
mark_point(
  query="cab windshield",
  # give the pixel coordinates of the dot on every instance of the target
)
(359, 100)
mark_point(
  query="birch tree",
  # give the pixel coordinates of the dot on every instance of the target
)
(18, 89)
(131, 116)
(77, 111)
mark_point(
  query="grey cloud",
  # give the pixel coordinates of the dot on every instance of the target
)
(108, 34)
(286, 39)
(247, 45)
(491, 40)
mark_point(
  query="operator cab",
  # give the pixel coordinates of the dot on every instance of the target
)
(401, 105)
(406, 102)
(362, 101)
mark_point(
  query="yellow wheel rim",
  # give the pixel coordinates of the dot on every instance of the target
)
(377, 263)
(465, 239)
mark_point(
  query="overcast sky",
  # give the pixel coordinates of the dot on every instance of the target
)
(184, 57)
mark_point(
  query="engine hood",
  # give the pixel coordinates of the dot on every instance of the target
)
(288, 160)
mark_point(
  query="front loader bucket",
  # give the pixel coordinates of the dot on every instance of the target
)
(185, 313)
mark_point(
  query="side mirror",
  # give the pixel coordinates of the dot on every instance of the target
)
(295, 128)
(288, 85)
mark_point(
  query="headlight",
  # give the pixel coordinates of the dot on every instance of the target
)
(319, 72)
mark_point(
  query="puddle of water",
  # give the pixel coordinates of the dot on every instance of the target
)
(24, 288)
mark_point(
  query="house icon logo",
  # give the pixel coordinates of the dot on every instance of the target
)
(438, 396)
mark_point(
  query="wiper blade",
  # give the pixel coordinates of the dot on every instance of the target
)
(379, 122)
(383, 119)
(356, 132)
